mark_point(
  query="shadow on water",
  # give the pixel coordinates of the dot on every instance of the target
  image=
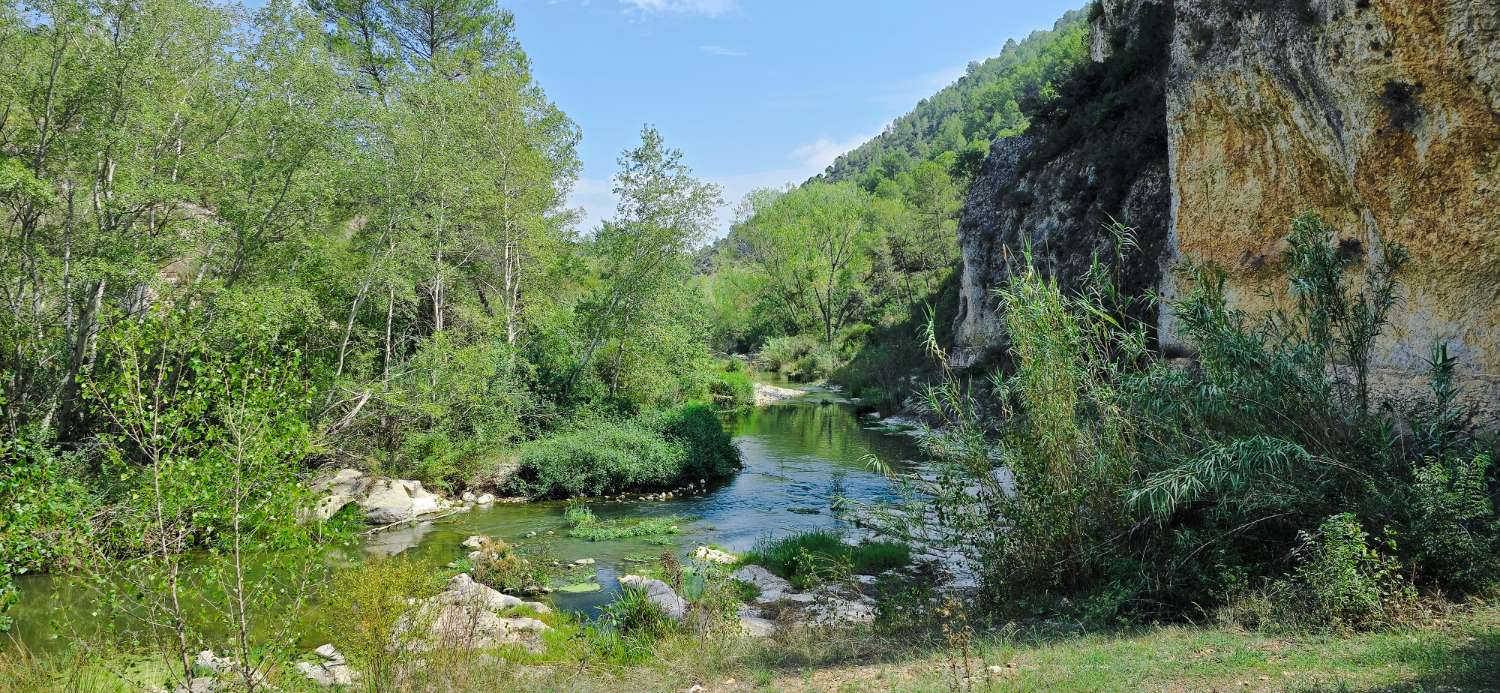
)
(798, 458)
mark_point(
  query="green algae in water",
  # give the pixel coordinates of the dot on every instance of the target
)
(581, 588)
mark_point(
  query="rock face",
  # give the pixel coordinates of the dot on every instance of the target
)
(1056, 190)
(1382, 116)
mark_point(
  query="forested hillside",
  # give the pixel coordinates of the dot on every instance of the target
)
(837, 276)
(994, 98)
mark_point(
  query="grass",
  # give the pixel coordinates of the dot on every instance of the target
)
(809, 558)
(1460, 652)
(582, 524)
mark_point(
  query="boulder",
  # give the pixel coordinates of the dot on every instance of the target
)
(463, 615)
(397, 500)
(485, 499)
(771, 588)
(463, 590)
(757, 627)
(330, 670)
(475, 542)
(659, 593)
(712, 555)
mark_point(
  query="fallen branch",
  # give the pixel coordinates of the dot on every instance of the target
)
(398, 523)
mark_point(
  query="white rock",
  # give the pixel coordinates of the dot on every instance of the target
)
(584, 561)
(485, 499)
(328, 653)
(468, 497)
(208, 661)
(659, 593)
(757, 627)
(771, 588)
(332, 671)
(711, 555)
(475, 542)
(463, 590)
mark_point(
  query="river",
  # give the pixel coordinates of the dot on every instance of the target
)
(799, 457)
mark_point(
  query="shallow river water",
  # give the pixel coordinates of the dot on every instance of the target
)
(799, 457)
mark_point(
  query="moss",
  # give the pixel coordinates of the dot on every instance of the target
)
(1399, 99)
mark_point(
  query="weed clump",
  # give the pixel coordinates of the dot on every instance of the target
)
(812, 558)
(582, 524)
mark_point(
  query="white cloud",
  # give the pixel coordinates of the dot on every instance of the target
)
(712, 49)
(820, 153)
(707, 8)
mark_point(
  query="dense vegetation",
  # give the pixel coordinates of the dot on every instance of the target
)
(242, 245)
(1268, 481)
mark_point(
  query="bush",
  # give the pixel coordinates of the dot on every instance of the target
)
(43, 512)
(709, 451)
(652, 451)
(1348, 582)
(512, 569)
(1099, 471)
(369, 607)
(731, 389)
(782, 354)
(602, 458)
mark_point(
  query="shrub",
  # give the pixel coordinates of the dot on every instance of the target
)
(43, 512)
(656, 450)
(1348, 582)
(782, 354)
(601, 458)
(1096, 470)
(709, 451)
(731, 389)
(1455, 533)
(369, 607)
(513, 569)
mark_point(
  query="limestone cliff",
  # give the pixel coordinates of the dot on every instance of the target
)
(1056, 190)
(1381, 115)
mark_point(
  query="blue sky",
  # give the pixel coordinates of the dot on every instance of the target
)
(755, 92)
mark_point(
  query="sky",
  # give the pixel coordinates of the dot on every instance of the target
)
(755, 93)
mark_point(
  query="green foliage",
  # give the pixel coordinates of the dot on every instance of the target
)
(514, 569)
(849, 258)
(369, 606)
(43, 512)
(1455, 532)
(810, 558)
(984, 104)
(652, 451)
(454, 405)
(635, 624)
(1348, 582)
(1137, 486)
(731, 389)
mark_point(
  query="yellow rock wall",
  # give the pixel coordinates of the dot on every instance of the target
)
(1381, 115)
